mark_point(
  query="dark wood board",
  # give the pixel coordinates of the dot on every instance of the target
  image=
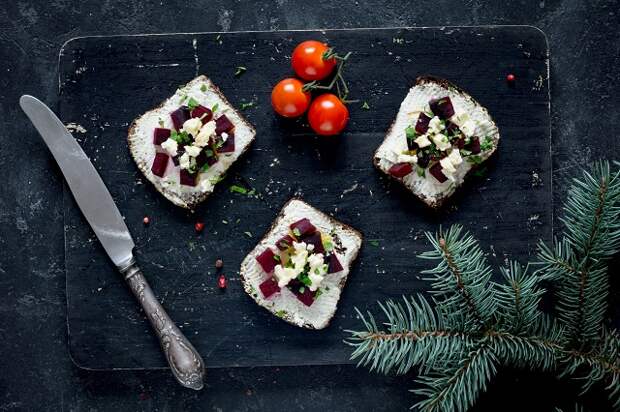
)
(105, 82)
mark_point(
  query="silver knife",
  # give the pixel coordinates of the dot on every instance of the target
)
(98, 207)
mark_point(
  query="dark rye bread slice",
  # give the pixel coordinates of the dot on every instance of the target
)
(427, 188)
(285, 304)
(140, 139)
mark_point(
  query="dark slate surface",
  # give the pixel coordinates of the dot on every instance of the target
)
(508, 208)
(37, 373)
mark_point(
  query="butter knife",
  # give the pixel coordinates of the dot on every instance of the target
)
(101, 212)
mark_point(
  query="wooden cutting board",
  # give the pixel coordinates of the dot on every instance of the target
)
(105, 82)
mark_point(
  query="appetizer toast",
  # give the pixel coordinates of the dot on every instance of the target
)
(297, 271)
(187, 144)
(439, 136)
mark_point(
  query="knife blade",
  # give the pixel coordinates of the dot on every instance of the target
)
(99, 209)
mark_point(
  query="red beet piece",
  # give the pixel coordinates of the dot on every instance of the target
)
(437, 173)
(442, 107)
(421, 125)
(200, 111)
(452, 129)
(160, 135)
(269, 287)
(267, 260)
(302, 228)
(222, 124)
(160, 163)
(306, 297)
(474, 146)
(285, 242)
(315, 239)
(400, 170)
(179, 116)
(229, 145)
(187, 178)
(333, 264)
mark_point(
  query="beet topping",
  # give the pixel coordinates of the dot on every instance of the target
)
(423, 159)
(302, 228)
(269, 287)
(222, 124)
(474, 146)
(160, 135)
(160, 163)
(315, 239)
(266, 260)
(442, 107)
(179, 116)
(187, 178)
(285, 242)
(421, 125)
(452, 129)
(200, 111)
(305, 295)
(400, 170)
(333, 264)
(229, 145)
(437, 173)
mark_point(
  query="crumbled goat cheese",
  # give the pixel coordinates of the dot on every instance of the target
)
(205, 134)
(192, 126)
(422, 141)
(170, 146)
(193, 151)
(441, 141)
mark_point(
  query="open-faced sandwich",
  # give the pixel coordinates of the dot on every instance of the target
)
(298, 270)
(439, 136)
(185, 145)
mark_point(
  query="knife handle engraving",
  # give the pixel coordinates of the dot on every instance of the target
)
(186, 364)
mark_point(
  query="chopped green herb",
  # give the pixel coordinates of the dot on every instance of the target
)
(374, 242)
(209, 152)
(205, 167)
(218, 179)
(203, 88)
(215, 107)
(248, 234)
(421, 171)
(474, 159)
(161, 123)
(365, 106)
(327, 245)
(318, 293)
(240, 70)
(276, 258)
(183, 98)
(192, 103)
(180, 137)
(296, 232)
(302, 289)
(303, 278)
(238, 189)
(246, 105)
(487, 144)
(411, 133)
(281, 313)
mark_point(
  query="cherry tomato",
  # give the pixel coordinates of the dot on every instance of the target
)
(289, 99)
(308, 61)
(328, 116)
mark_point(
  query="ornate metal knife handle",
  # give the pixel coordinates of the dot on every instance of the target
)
(185, 362)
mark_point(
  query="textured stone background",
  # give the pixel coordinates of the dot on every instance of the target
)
(36, 371)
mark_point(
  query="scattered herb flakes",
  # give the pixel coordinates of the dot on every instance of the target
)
(487, 144)
(365, 106)
(161, 122)
(318, 293)
(281, 313)
(421, 171)
(183, 98)
(240, 70)
(203, 88)
(192, 103)
(238, 189)
(296, 232)
(215, 107)
(374, 242)
(474, 159)
(248, 234)
(216, 180)
(246, 105)
(205, 167)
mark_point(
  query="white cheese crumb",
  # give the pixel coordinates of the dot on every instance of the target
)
(224, 136)
(435, 125)
(468, 128)
(441, 141)
(455, 157)
(446, 166)
(170, 146)
(205, 134)
(422, 141)
(460, 118)
(318, 270)
(184, 161)
(193, 151)
(192, 126)
(405, 158)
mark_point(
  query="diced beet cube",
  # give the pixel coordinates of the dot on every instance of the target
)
(267, 260)
(306, 297)
(452, 129)
(222, 124)
(437, 173)
(269, 287)
(460, 143)
(333, 264)
(285, 242)
(302, 228)
(400, 170)
(211, 158)
(442, 107)
(474, 145)
(423, 159)
(160, 163)
(179, 116)
(315, 239)
(421, 125)
(200, 111)
(160, 135)
(187, 178)
(229, 145)
(201, 159)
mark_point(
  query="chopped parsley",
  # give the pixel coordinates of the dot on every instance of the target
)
(411, 133)
(474, 159)
(246, 105)
(192, 103)
(318, 293)
(214, 108)
(161, 122)
(240, 70)
(205, 167)
(203, 88)
(365, 106)
(218, 179)
(421, 171)
(281, 313)
(303, 278)
(302, 289)
(276, 258)
(239, 189)
(487, 144)
(374, 242)
(296, 232)
(181, 137)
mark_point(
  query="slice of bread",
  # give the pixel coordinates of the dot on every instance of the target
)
(285, 304)
(142, 149)
(427, 187)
